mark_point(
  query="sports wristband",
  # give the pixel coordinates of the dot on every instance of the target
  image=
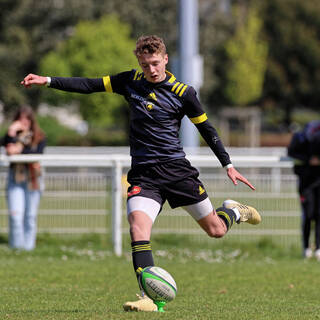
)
(48, 81)
(230, 165)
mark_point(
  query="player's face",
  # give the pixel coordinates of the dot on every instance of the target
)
(154, 66)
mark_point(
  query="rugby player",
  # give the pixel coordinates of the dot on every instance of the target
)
(159, 169)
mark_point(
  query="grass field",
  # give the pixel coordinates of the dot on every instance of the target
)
(80, 278)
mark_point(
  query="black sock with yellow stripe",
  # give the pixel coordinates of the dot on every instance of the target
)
(227, 215)
(141, 254)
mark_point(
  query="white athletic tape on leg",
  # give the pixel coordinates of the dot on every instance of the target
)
(199, 210)
(149, 206)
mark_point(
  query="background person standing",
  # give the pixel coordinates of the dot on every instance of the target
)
(25, 182)
(305, 149)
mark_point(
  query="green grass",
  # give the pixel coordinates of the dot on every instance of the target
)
(80, 278)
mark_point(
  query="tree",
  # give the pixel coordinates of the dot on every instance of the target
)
(97, 48)
(28, 30)
(247, 57)
(215, 27)
(292, 79)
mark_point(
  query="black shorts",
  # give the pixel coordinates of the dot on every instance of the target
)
(176, 181)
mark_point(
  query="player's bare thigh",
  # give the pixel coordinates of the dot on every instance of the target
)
(142, 213)
(204, 213)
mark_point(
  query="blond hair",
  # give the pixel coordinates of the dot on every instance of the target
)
(149, 45)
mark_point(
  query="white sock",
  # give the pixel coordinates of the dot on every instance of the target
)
(237, 213)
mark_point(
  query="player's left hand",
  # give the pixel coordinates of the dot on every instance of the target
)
(234, 175)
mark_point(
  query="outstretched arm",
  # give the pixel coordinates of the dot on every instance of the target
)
(115, 83)
(71, 84)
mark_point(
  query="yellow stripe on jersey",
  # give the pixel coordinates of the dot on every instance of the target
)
(172, 77)
(135, 75)
(183, 90)
(174, 87)
(199, 119)
(178, 89)
(107, 84)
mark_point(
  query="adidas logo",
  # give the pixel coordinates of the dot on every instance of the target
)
(201, 190)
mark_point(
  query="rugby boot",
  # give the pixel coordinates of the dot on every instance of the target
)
(247, 214)
(143, 304)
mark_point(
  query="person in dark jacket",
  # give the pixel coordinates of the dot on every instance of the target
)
(304, 148)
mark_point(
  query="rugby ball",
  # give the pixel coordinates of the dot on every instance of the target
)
(158, 284)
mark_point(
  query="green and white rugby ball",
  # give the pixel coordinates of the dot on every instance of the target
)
(158, 284)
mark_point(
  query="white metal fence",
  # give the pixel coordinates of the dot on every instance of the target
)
(86, 194)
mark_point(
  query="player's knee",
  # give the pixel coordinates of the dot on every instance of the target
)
(137, 232)
(135, 229)
(216, 232)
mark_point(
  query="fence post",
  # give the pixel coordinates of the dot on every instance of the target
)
(117, 208)
(276, 179)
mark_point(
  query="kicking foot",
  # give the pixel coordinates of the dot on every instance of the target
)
(247, 214)
(143, 304)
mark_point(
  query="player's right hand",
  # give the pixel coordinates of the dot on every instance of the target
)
(31, 79)
(234, 175)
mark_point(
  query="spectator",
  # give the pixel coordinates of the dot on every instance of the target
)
(305, 149)
(25, 182)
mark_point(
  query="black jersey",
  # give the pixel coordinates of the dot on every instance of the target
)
(156, 113)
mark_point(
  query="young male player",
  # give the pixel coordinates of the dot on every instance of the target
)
(159, 169)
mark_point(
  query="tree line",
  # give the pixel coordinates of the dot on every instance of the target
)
(264, 53)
